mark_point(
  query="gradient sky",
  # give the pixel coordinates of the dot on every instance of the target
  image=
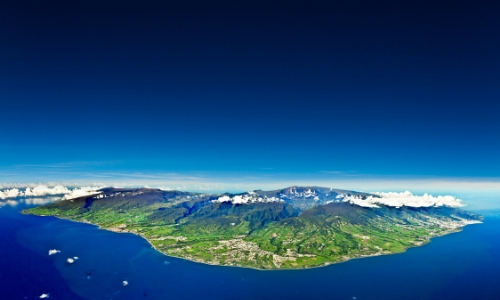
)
(249, 89)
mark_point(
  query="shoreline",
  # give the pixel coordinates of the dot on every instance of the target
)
(253, 268)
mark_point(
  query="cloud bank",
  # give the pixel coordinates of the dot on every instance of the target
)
(44, 190)
(398, 200)
(250, 198)
(80, 192)
(9, 193)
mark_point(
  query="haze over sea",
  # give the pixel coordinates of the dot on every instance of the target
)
(456, 266)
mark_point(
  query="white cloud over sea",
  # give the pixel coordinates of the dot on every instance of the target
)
(45, 190)
(10, 193)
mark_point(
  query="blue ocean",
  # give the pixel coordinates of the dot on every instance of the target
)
(109, 265)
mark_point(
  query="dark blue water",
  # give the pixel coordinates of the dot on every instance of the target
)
(464, 265)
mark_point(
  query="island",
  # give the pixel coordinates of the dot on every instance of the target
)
(291, 228)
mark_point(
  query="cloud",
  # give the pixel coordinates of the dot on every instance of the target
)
(80, 192)
(397, 200)
(37, 191)
(54, 251)
(360, 202)
(10, 193)
(70, 260)
(44, 296)
(251, 198)
(43, 190)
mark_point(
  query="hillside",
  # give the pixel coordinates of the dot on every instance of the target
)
(296, 227)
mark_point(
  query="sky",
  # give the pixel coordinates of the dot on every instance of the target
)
(235, 95)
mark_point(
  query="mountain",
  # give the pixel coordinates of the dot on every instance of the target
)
(296, 227)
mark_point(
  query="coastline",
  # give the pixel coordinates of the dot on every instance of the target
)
(261, 269)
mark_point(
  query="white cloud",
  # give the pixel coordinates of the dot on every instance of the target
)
(43, 190)
(125, 283)
(43, 296)
(37, 191)
(70, 260)
(360, 202)
(10, 193)
(54, 251)
(249, 198)
(397, 200)
(80, 192)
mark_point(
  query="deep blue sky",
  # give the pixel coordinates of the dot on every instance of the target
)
(249, 87)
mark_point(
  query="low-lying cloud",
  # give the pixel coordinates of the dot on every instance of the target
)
(397, 200)
(10, 193)
(250, 198)
(44, 190)
(80, 192)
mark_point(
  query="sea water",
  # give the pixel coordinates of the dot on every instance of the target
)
(108, 265)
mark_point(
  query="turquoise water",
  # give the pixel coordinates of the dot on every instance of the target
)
(464, 265)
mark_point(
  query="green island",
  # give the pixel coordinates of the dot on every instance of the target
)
(296, 227)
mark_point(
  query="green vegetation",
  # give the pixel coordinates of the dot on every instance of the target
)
(270, 235)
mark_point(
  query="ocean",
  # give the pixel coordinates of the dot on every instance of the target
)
(108, 265)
